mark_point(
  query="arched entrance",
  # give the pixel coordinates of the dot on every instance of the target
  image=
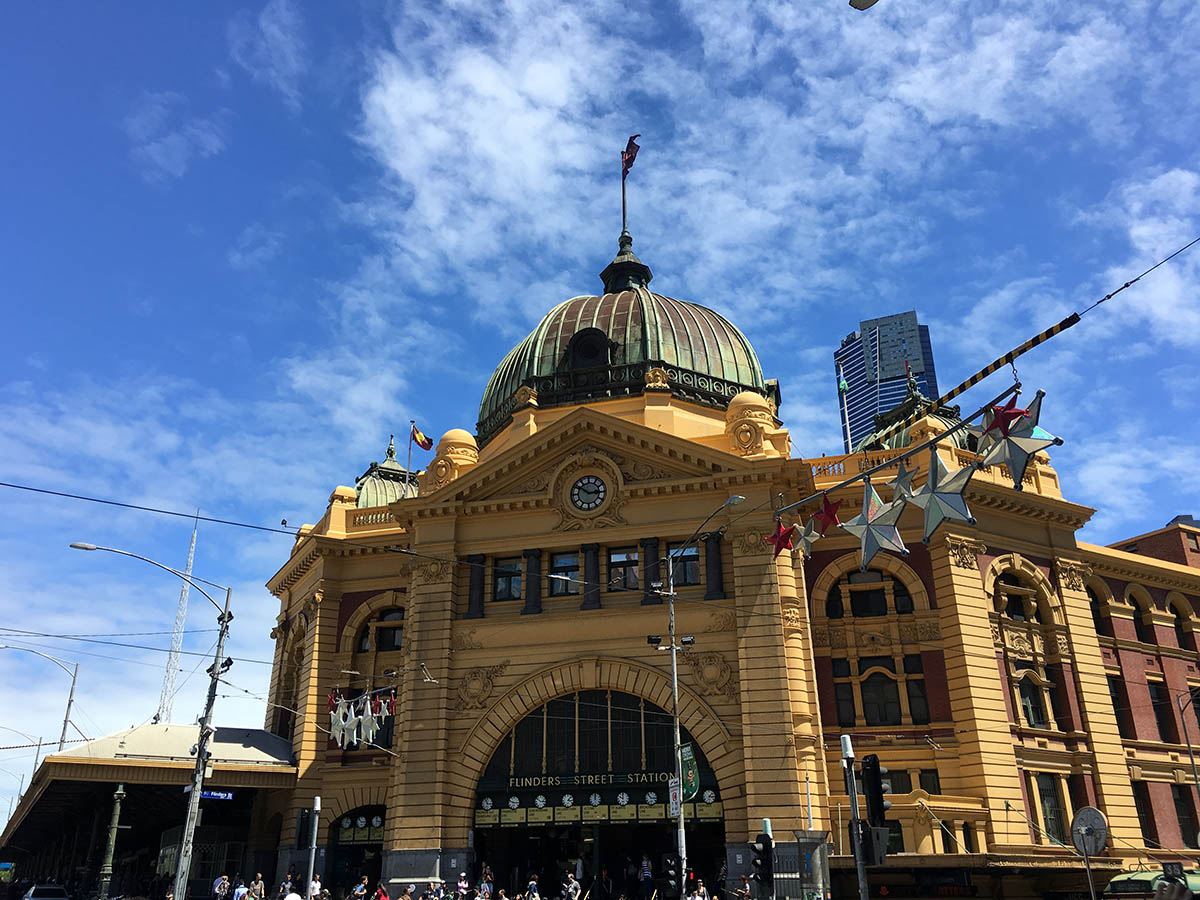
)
(356, 849)
(580, 784)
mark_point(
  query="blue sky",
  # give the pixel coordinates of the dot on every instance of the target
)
(242, 245)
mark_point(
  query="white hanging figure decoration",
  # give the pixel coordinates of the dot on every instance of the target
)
(369, 726)
(337, 722)
(353, 723)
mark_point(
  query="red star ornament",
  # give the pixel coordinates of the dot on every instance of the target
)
(1002, 417)
(782, 538)
(826, 516)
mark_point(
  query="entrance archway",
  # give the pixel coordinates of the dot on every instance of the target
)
(580, 784)
(355, 850)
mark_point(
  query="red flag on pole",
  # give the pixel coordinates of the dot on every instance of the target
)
(628, 155)
(421, 440)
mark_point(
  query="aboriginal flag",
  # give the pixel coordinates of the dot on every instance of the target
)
(419, 438)
(628, 155)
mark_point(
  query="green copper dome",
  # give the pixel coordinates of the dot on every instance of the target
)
(385, 482)
(598, 347)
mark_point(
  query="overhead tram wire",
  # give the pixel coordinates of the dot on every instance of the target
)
(257, 662)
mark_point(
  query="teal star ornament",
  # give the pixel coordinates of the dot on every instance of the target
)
(901, 485)
(875, 526)
(1017, 444)
(942, 495)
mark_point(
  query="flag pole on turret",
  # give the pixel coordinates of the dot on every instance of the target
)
(628, 155)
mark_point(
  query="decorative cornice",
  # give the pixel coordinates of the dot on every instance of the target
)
(964, 551)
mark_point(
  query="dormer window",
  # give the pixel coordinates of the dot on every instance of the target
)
(589, 349)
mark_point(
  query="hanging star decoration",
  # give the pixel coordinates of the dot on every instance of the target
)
(370, 723)
(1000, 419)
(337, 721)
(901, 485)
(876, 527)
(809, 536)
(942, 495)
(782, 538)
(1015, 443)
(826, 517)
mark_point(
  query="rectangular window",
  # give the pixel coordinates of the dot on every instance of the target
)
(918, 704)
(1193, 542)
(902, 598)
(564, 574)
(930, 782)
(895, 837)
(506, 579)
(968, 838)
(686, 563)
(1163, 717)
(912, 664)
(1120, 702)
(844, 695)
(864, 604)
(560, 736)
(1053, 821)
(1032, 703)
(1141, 800)
(623, 569)
(880, 700)
(1182, 795)
(901, 781)
(841, 668)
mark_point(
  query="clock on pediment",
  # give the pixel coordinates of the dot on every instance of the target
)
(587, 490)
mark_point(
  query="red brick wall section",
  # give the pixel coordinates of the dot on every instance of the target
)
(1066, 697)
(1141, 712)
(937, 688)
(1162, 809)
(1170, 545)
(824, 666)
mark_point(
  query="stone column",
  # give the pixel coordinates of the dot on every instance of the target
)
(650, 573)
(533, 583)
(714, 571)
(475, 588)
(988, 764)
(591, 577)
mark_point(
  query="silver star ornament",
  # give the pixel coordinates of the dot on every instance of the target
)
(1022, 441)
(807, 537)
(876, 525)
(942, 495)
(901, 485)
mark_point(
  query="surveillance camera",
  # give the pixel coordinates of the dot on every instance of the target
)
(195, 749)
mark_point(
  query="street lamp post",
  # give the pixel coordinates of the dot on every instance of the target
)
(681, 835)
(62, 664)
(206, 726)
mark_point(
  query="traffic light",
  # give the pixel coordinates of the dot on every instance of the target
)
(670, 870)
(874, 787)
(764, 862)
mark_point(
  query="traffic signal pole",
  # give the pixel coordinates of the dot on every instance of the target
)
(856, 823)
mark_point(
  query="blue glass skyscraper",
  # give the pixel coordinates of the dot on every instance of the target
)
(870, 371)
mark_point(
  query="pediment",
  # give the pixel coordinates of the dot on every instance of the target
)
(630, 453)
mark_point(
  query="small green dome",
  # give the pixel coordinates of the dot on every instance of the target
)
(593, 347)
(385, 482)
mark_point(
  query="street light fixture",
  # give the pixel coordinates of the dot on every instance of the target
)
(219, 666)
(62, 664)
(674, 647)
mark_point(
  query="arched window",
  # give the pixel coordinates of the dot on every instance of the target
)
(880, 700)
(1033, 703)
(1182, 636)
(1102, 622)
(388, 628)
(1017, 599)
(833, 603)
(588, 349)
(1143, 629)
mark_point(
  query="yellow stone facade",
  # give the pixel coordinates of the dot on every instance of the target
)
(969, 632)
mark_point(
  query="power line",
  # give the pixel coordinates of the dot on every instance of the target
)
(258, 662)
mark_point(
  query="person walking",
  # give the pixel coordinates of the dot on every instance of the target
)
(314, 889)
(647, 876)
(359, 891)
(221, 888)
(286, 886)
(258, 890)
(381, 892)
(531, 891)
(571, 888)
(241, 890)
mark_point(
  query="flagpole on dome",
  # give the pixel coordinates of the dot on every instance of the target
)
(628, 155)
(412, 423)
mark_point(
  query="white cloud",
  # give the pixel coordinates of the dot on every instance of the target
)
(256, 246)
(272, 47)
(167, 140)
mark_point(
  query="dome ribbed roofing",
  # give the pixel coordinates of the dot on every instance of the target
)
(385, 482)
(595, 347)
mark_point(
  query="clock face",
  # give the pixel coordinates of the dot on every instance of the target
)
(361, 821)
(588, 492)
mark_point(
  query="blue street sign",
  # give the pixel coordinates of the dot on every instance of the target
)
(216, 795)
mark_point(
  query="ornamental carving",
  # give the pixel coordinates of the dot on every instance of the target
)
(721, 621)
(465, 640)
(964, 552)
(837, 638)
(639, 470)
(308, 612)
(438, 570)
(996, 639)
(871, 639)
(820, 636)
(476, 687)
(792, 617)
(656, 379)
(534, 485)
(749, 543)
(455, 459)
(1018, 646)
(929, 630)
(1064, 646)
(747, 427)
(1071, 574)
(525, 396)
(713, 674)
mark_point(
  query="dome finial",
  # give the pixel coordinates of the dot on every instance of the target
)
(391, 450)
(626, 271)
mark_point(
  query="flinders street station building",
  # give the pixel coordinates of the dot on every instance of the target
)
(500, 614)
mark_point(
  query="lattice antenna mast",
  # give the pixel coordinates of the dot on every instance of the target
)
(167, 698)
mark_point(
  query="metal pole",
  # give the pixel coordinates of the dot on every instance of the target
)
(681, 835)
(1187, 738)
(37, 758)
(312, 847)
(624, 222)
(1087, 864)
(808, 799)
(856, 825)
(70, 699)
(111, 846)
(206, 729)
